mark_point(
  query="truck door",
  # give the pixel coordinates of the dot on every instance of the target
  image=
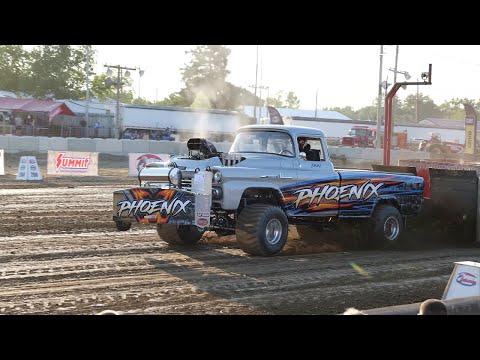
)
(313, 193)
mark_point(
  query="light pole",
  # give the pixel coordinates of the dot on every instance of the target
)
(140, 73)
(118, 84)
(260, 108)
(416, 105)
(379, 102)
(395, 72)
(256, 79)
(87, 97)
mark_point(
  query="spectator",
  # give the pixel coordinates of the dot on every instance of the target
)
(97, 128)
(83, 128)
(18, 124)
(433, 307)
(166, 135)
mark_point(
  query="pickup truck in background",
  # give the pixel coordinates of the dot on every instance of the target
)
(263, 184)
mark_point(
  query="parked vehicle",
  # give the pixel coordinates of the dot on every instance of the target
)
(437, 146)
(361, 136)
(263, 184)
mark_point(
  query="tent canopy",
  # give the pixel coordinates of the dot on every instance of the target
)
(51, 107)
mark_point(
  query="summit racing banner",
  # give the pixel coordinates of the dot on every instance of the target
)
(72, 163)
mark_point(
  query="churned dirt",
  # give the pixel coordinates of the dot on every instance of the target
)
(60, 253)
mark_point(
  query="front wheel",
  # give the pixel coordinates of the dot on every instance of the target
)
(179, 234)
(386, 227)
(123, 226)
(262, 229)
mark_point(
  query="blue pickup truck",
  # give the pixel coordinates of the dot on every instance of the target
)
(273, 176)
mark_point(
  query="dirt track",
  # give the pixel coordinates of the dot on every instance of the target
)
(61, 254)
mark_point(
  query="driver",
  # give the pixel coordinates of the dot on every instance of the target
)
(302, 144)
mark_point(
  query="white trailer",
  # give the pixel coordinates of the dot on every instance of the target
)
(217, 125)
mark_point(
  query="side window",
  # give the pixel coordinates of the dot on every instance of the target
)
(316, 146)
(312, 147)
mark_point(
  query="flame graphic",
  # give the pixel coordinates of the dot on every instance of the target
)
(140, 193)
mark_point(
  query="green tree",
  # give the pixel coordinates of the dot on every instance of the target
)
(454, 108)
(366, 113)
(276, 100)
(426, 108)
(347, 111)
(142, 101)
(14, 68)
(292, 101)
(101, 91)
(58, 70)
(280, 100)
(204, 76)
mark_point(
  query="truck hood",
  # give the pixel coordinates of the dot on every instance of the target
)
(244, 162)
(236, 160)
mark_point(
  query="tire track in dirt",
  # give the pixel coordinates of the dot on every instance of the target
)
(61, 254)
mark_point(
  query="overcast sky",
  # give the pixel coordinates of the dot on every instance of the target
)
(344, 75)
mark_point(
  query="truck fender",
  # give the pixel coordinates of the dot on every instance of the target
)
(265, 195)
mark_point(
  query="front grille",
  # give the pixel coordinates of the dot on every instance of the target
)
(186, 183)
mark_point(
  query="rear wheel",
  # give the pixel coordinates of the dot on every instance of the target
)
(262, 230)
(179, 234)
(386, 227)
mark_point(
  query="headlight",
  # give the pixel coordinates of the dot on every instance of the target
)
(174, 176)
(217, 176)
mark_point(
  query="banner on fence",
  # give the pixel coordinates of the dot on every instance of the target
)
(137, 161)
(71, 163)
(2, 162)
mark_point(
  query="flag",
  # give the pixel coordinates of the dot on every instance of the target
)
(275, 117)
(470, 129)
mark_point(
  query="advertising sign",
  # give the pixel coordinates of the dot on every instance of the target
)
(137, 161)
(72, 163)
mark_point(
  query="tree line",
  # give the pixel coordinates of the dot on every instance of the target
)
(59, 71)
(412, 109)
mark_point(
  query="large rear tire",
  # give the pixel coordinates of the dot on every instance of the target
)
(262, 230)
(179, 234)
(386, 227)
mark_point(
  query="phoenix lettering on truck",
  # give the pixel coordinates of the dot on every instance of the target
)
(263, 184)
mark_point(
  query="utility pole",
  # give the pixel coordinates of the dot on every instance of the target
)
(316, 98)
(256, 78)
(416, 106)
(87, 70)
(118, 84)
(261, 88)
(379, 102)
(394, 82)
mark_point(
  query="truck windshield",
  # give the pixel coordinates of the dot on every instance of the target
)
(263, 141)
(357, 132)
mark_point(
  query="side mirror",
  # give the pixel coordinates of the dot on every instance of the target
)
(303, 156)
